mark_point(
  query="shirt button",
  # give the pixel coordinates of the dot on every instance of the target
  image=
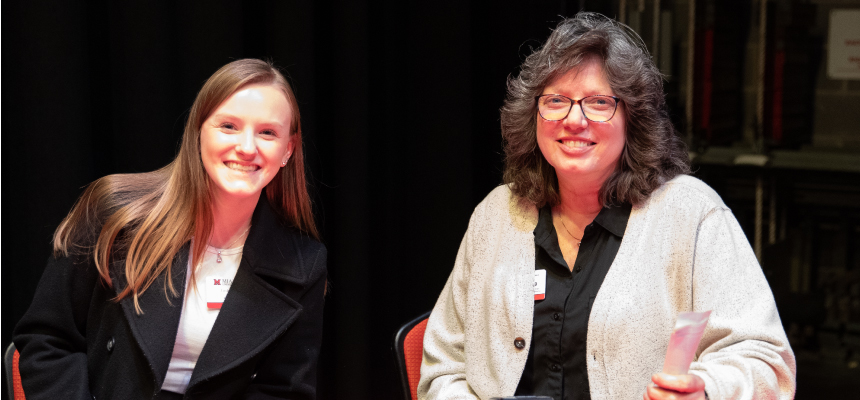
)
(555, 367)
(520, 343)
(578, 268)
(110, 344)
(556, 317)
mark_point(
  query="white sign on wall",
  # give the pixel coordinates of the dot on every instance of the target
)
(843, 45)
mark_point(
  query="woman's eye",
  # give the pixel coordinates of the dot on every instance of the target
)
(269, 133)
(554, 102)
(600, 103)
(228, 125)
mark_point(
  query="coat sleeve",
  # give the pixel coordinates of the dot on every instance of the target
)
(51, 336)
(443, 365)
(744, 351)
(289, 370)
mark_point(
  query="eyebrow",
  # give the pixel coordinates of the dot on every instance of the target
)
(275, 125)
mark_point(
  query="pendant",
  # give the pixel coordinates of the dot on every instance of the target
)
(218, 260)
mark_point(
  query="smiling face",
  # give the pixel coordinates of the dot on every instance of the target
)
(245, 141)
(581, 150)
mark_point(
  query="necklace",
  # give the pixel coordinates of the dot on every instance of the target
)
(230, 246)
(579, 240)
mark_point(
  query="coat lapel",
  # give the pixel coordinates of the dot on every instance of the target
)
(155, 329)
(255, 312)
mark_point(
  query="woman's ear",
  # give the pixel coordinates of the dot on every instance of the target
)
(289, 152)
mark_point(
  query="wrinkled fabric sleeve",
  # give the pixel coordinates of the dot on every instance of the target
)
(51, 336)
(443, 366)
(744, 352)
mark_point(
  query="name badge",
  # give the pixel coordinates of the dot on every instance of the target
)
(540, 284)
(216, 291)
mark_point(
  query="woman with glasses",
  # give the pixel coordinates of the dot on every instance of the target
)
(204, 279)
(570, 276)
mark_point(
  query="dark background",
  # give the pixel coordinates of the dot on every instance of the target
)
(104, 87)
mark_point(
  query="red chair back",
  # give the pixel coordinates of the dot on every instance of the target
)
(409, 348)
(16, 379)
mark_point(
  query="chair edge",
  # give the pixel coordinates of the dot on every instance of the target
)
(8, 360)
(399, 354)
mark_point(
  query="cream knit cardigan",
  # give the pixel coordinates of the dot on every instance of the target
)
(683, 250)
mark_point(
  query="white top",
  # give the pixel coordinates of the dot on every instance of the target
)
(197, 317)
(683, 250)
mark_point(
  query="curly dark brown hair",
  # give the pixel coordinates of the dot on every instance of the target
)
(653, 153)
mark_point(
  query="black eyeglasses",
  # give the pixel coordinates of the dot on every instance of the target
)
(597, 108)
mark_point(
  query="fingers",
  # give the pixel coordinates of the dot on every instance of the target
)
(656, 393)
(675, 387)
(680, 383)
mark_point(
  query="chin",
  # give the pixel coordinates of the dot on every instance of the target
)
(239, 193)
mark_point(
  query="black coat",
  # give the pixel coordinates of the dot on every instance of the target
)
(76, 343)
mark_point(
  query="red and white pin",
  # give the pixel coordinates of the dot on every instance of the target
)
(540, 284)
(216, 291)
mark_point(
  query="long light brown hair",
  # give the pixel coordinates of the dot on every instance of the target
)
(145, 219)
(653, 153)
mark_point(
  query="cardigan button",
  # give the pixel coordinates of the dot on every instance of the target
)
(110, 344)
(520, 343)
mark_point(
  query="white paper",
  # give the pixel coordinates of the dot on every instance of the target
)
(843, 44)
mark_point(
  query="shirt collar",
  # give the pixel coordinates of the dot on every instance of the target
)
(613, 219)
(544, 228)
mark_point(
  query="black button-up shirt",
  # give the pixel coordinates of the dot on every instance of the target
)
(556, 364)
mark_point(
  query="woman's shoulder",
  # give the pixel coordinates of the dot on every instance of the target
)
(687, 190)
(311, 251)
(281, 249)
(498, 196)
(304, 241)
(502, 206)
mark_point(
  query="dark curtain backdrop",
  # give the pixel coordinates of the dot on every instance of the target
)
(400, 114)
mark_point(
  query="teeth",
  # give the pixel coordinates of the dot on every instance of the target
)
(239, 167)
(575, 143)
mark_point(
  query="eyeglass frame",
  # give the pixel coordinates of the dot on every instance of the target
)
(573, 102)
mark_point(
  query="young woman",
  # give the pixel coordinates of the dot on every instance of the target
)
(204, 279)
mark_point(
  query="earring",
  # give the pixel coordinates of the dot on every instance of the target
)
(283, 164)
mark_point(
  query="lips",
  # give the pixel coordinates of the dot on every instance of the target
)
(241, 167)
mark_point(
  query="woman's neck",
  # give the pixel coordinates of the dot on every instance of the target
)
(579, 198)
(231, 221)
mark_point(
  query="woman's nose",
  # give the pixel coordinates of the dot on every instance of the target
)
(246, 143)
(575, 118)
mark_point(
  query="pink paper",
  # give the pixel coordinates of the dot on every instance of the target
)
(684, 341)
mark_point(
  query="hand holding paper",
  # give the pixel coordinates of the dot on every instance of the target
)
(674, 382)
(684, 341)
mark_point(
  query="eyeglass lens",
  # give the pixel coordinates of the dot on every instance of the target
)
(595, 108)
